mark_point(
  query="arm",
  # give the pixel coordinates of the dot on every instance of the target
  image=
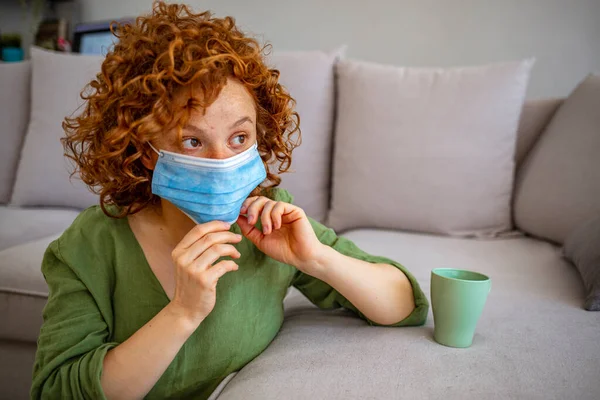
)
(380, 291)
(332, 271)
(74, 336)
(133, 368)
(73, 345)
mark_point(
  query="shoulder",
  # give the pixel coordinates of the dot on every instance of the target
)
(91, 227)
(279, 194)
(89, 243)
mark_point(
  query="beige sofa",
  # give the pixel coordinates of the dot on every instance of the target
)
(534, 340)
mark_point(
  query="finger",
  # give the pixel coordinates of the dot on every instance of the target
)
(255, 209)
(249, 230)
(212, 254)
(265, 217)
(199, 231)
(276, 214)
(291, 214)
(187, 256)
(221, 268)
(247, 203)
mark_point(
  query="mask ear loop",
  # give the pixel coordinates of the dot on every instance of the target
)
(160, 154)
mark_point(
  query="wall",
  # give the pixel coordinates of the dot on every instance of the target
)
(563, 35)
(14, 19)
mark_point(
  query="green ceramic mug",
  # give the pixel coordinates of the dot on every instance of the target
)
(457, 300)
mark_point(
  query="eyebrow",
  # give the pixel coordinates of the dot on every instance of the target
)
(241, 121)
(194, 129)
(200, 131)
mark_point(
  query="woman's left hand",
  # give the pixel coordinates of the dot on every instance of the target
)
(287, 234)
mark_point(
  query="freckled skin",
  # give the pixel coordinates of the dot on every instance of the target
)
(233, 103)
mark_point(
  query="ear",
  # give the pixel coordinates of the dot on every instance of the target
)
(149, 159)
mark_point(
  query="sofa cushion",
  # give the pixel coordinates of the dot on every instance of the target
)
(23, 290)
(15, 79)
(309, 77)
(558, 186)
(582, 247)
(520, 350)
(43, 175)
(23, 225)
(427, 150)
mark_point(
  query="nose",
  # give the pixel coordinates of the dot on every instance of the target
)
(218, 152)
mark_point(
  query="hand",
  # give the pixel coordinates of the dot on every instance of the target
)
(195, 276)
(286, 236)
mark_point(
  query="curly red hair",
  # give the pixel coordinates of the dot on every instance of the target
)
(130, 102)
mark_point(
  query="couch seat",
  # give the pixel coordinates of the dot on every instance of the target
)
(23, 290)
(534, 340)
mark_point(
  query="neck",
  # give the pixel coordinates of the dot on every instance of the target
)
(173, 223)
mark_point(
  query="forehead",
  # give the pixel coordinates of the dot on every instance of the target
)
(233, 102)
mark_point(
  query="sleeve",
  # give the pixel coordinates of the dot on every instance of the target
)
(73, 337)
(324, 296)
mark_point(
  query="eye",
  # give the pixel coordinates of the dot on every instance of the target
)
(191, 143)
(239, 140)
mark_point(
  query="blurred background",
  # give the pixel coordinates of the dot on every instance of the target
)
(563, 35)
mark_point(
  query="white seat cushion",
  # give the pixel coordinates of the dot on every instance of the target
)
(533, 340)
(15, 79)
(426, 149)
(22, 225)
(309, 77)
(51, 101)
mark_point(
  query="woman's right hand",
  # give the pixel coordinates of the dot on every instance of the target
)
(195, 275)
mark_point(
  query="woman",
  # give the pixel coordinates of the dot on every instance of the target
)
(178, 133)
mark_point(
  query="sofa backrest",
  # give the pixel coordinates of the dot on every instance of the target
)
(535, 116)
(310, 181)
(557, 188)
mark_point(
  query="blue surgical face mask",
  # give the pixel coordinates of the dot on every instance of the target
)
(206, 189)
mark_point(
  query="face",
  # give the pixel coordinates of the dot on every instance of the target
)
(227, 128)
